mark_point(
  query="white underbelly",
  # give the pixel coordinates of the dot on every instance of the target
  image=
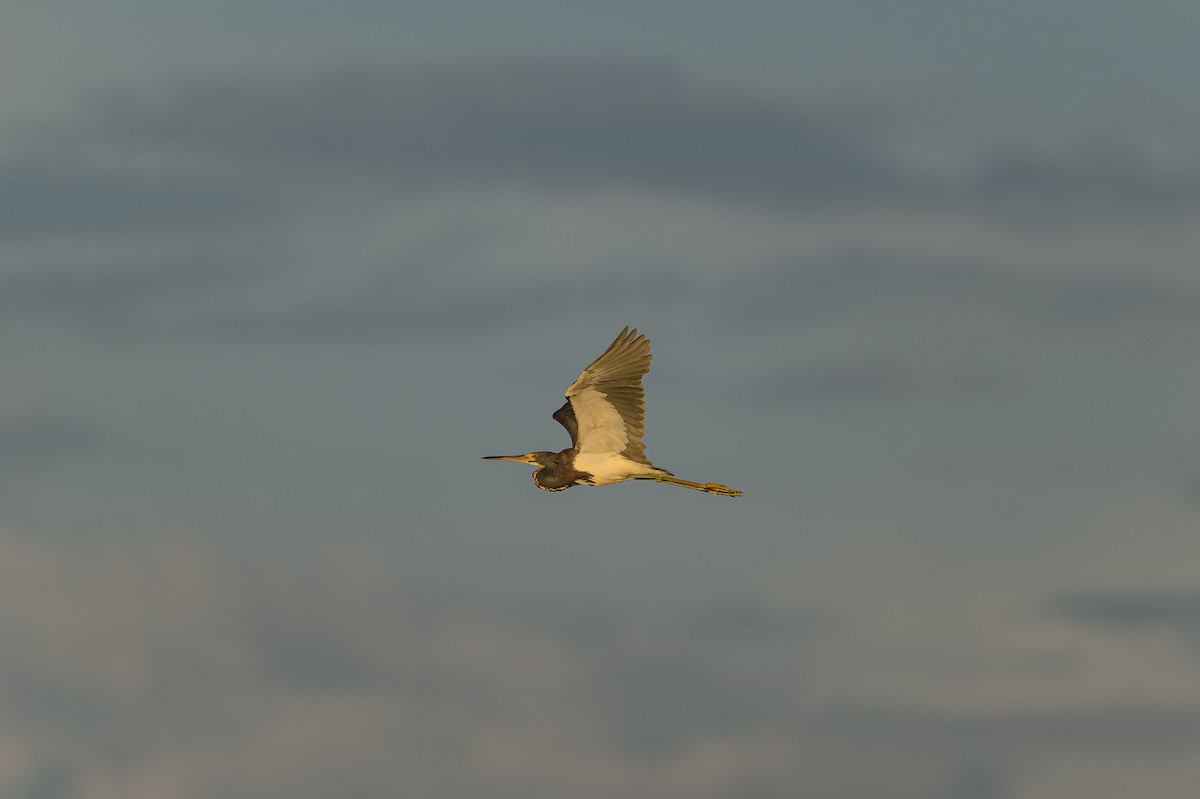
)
(606, 468)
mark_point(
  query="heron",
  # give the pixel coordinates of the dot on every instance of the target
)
(605, 416)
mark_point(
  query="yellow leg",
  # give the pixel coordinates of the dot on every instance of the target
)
(708, 488)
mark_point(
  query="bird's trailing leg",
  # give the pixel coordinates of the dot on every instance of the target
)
(708, 488)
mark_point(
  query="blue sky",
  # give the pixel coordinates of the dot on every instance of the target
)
(919, 278)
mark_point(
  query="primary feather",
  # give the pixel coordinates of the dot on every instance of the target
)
(607, 401)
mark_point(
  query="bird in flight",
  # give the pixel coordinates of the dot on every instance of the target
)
(605, 416)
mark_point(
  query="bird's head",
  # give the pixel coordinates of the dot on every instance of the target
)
(532, 458)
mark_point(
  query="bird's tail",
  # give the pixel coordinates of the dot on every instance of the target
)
(708, 488)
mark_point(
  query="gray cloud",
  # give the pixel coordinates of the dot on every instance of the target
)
(1107, 727)
(400, 304)
(817, 290)
(1119, 298)
(36, 438)
(179, 292)
(418, 294)
(279, 147)
(397, 301)
(66, 199)
(838, 384)
(172, 668)
(31, 437)
(107, 289)
(748, 619)
(561, 123)
(578, 123)
(169, 667)
(1038, 188)
(1132, 611)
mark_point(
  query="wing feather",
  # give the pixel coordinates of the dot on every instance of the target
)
(566, 417)
(608, 401)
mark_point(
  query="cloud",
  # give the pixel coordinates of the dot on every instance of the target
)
(1133, 611)
(167, 666)
(934, 300)
(575, 124)
(1115, 180)
(838, 384)
(513, 121)
(31, 435)
(69, 199)
(114, 292)
(36, 438)
(391, 201)
(1107, 727)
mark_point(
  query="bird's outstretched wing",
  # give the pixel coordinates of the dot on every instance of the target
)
(606, 409)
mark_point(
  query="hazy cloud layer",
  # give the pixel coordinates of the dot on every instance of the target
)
(73, 199)
(26, 441)
(277, 307)
(300, 203)
(1099, 181)
(148, 668)
(558, 123)
(573, 124)
(1135, 611)
(32, 436)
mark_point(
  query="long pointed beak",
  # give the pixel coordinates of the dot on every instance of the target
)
(513, 458)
